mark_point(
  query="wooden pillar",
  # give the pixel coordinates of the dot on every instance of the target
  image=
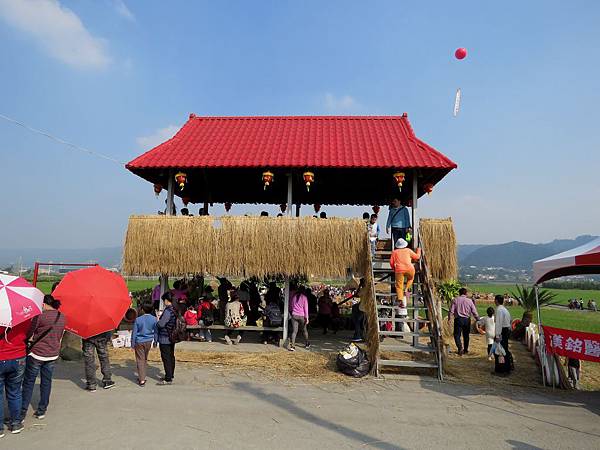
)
(415, 292)
(164, 279)
(286, 301)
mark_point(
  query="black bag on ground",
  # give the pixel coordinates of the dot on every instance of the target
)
(357, 365)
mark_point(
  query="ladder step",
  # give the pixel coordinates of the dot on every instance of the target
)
(415, 364)
(405, 348)
(403, 333)
(397, 320)
(395, 307)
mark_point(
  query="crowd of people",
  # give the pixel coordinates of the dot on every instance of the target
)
(28, 350)
(496, 326)
(578, 304)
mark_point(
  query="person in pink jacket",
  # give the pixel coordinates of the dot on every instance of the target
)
(299, 317)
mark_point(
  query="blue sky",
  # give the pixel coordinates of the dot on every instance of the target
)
(120, 76)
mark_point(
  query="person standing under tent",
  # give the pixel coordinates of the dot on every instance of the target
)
(503, 364)
(462, 309)
(374, 230)
(299, 317)
(235, 317)
(324, 317)
(398, 221)
(12, 368)
(574, 368)
(143, 333)
(165, 325)
(223, 293)
(44, 348)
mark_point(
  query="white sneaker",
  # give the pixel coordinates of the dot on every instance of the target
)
(228, 340)
(238, 339)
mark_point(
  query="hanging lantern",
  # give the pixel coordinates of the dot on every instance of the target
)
(428, 188)
(185, 200)
(157, 189)
(376, 209)
(283, 207)
(267, 178)
(181, 179)
(309, 178)
(399, 177)
(317, 207)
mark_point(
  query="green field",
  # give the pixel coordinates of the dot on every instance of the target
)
(562, 295)
(133, 285)
(559, 318)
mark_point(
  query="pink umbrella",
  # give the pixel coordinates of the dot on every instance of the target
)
(19, 301)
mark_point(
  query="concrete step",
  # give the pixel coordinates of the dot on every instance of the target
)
(412, 364)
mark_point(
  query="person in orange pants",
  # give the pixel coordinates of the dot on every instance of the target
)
(402, 264)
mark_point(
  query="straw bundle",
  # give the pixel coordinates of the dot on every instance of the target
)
(439, 243)
(244, 246)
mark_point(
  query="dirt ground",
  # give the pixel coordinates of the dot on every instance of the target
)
(220, 408)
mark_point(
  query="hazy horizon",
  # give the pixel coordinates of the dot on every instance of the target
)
(121, 77)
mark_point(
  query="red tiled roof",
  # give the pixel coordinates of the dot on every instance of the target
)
(288, 141)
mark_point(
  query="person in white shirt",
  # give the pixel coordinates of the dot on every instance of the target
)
(373, 228)
(490, 329)
(504, 364)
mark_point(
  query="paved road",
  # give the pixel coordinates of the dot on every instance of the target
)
(211, 409)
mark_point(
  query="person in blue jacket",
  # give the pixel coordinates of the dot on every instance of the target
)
(144, 332)
(398, 222)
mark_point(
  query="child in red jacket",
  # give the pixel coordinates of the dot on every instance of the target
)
(206, 317)
(191, 318)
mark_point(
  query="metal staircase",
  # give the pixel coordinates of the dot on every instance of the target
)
(414, 331)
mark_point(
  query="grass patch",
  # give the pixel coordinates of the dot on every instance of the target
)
(562, 295)
(132, 285)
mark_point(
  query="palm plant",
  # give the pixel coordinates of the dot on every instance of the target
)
(526, 298)
(448, 290)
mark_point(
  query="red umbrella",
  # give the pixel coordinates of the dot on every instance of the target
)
(94, 300)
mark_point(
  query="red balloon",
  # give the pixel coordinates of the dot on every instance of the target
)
(460, 53)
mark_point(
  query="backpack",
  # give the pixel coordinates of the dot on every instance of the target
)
(208, 318)
(274, 315)
(178, 332)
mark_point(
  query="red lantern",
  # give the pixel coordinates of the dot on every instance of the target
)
(267, 178)
(309, 178)
(283, 207)
(376, 209)
(185, 201)
(227, 206)
(460, 53)
(157, 189)
(317, 207)
(399, 177)
(181, 179)
(428, 188)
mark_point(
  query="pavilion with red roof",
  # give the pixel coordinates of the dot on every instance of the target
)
(353, 160)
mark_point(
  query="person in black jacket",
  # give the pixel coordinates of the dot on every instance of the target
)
(165, 325)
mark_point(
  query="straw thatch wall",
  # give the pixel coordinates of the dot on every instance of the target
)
(244, 246)
(439, 244)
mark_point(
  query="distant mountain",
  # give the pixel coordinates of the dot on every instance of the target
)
(515, 255)
(107, 257)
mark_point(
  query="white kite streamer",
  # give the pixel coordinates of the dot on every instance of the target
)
(457, 102)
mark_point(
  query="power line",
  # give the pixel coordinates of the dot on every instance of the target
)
(60, 141)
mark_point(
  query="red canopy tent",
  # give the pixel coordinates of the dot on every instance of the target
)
(578, 261)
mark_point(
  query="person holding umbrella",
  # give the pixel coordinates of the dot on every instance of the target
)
(99, 343)
(44, 348)
(165, 325)
(94, 301)
(19, 303)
